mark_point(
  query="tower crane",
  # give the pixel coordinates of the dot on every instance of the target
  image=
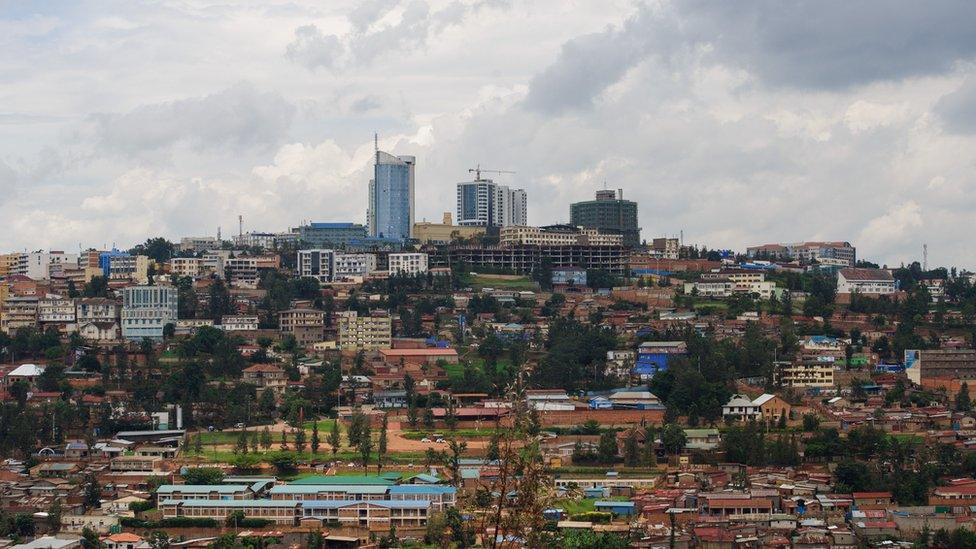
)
(477, 171)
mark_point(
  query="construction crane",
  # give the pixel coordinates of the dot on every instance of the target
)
(477, 171)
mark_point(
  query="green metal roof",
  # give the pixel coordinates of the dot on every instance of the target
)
(346, 480)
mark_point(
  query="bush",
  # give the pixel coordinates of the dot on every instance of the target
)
(596, 517)
(141, 506)
(176, 522)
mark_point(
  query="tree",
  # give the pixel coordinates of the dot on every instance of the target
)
(607, 448)
(241, 446)
(89, 539)
(365, 447)
(300, 440)
(54, 513)
(381, 449)
(963, 402)
(454, 459)
(266, 438)
(235, 518)
(284, 441)
(673, 438)
(334, 439)
(631, 449)
(203, 475)
(315, 442)
(93, 493)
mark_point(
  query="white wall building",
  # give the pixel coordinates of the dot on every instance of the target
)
(483, 203)
(146, 310)
(865, 281)
(411, 263)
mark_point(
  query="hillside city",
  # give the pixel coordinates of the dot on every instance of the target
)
(480, 381)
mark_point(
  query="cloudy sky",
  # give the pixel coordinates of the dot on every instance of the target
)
(736, 122)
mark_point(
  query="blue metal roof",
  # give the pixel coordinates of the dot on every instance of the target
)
(346, 225)
(422, 489)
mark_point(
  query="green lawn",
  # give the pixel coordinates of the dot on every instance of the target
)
(325, 426)
(521, 283)
(325, 454)
(462, 433)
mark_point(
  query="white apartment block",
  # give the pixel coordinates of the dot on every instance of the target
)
(409, 263)
(39, 263)
(239, 323)
(865, 281)
(56, 310)
(352, 267)
(483, 203)
(316, 263)
(197, 244)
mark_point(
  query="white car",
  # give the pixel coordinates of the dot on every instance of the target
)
(425, 440)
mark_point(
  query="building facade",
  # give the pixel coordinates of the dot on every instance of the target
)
(364, 332)
(865, 281)
(330, 235)
(390, 213)
(609, 213)
(146, 310)
(408, 263)
(443, 232)
(483, 203)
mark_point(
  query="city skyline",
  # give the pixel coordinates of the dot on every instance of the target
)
(693, 109)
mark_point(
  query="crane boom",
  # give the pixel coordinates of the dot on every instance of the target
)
(478, 169)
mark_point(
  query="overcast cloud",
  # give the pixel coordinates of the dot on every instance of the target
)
(736, 123)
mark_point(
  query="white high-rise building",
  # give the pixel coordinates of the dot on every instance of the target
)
(483, 203)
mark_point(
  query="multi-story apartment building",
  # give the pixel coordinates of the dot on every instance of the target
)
(944, 364)
(56, 310)
(238, 323)
(557, 235)
(807, 372)
(97, 318)
(19, 311)
(331, 266)
(245, 272)
(39, 263)
(13, 264)
(444, 232)
(666, 248)
(610, 214)
(805, 252)
(146, 310)
(267, 241)
(365, 332)
(483, 203)
(390, 212)
(352, 266)
(865, 281)
(726, 282)
(307, 325)
(408, 263)
(315, 263)
(186, 266)
(330, 235)
(524, 259)
(197, 244)
(119, 265)
(266, 376)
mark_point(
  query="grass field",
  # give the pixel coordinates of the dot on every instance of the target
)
(488, 281)
(461, 433)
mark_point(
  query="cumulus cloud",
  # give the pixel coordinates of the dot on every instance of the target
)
(895, 230)
(409, 30)
(957, 110)
(238, 117)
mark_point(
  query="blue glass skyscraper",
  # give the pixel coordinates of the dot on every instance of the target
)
(391, 206)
